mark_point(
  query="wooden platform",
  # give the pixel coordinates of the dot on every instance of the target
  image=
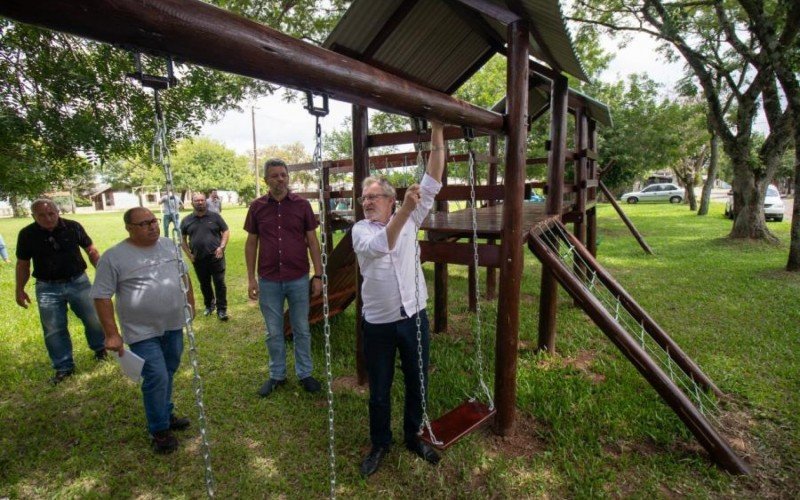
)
(490, 221)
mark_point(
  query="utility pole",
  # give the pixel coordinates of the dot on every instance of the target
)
(255, 154)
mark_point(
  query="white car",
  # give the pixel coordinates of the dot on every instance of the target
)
(655, 192)
(773, 205)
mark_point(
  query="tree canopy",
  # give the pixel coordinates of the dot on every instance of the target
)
(67, 103)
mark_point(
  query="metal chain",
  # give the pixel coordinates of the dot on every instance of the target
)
(317, 160)
(426, 421)
(478, 324)
(160, 152)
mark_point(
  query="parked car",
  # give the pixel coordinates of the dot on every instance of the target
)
(655, 193)
(773, 205)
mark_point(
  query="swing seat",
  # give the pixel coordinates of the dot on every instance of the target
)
(457, 423)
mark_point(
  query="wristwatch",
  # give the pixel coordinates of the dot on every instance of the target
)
(316, 276)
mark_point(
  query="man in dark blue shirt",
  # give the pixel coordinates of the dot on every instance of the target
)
(54, 246)
(205, 236)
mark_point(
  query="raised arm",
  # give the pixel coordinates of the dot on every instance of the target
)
(436, 160)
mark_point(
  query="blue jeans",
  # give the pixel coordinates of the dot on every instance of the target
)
(271, 297)
(162, 356)
(166, 219)
(380, 343)
(53, 299)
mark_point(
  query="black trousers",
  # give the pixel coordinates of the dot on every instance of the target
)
(210, 269)
(381, 343)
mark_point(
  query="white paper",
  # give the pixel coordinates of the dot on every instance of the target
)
(131, 364)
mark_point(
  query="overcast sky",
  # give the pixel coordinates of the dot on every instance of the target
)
(280, 123)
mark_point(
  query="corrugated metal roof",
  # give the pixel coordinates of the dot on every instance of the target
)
(432, 43)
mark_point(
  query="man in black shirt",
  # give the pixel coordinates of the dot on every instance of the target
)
(54, 246)
(205, 236)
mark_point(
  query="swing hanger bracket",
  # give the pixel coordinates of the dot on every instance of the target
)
(313, 109)
(469, 133)
(420, 125)
(153, 81)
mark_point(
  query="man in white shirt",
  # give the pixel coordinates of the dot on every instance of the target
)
(385, 246)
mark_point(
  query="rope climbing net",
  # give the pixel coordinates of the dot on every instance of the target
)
(558, 241)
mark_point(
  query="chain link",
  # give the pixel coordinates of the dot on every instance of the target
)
(317, 160)
(426, 421)
(478, 323)
(160, 154)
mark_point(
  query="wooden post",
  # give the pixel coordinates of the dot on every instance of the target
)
(593, 174)
(491, 272)
(507, 334)
(548, 301)
(635, 232)
(360, 172)
(581, 144)
(326, 205)
(472, 269)
(440, 276)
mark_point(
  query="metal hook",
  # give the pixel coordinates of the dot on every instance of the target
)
(313, 109)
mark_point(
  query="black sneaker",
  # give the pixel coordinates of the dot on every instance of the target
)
(209, 311)
(310, 384)
(101, 355)
(60, 377)
(222, 315)
(269, 386)
(178, 423)
(164, 442)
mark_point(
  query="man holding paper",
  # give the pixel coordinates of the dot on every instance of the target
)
(144, 274)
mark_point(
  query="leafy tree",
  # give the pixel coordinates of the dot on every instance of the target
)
(203, 164)
(66, 102)
(742, 54)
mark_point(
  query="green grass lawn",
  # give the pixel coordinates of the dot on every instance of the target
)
(587, 423)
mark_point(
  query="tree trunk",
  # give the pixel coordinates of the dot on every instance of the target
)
(16, 209)
(691, 198)
(793, 264)
(711, 178)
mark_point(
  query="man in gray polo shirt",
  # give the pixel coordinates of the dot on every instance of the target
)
(145, 275)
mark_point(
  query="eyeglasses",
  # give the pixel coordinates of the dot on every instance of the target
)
(145, 223)
(371, 197)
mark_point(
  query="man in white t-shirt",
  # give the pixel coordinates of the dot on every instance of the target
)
(392, 299)
(144, 274)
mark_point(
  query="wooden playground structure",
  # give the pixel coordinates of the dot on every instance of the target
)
(366, 62)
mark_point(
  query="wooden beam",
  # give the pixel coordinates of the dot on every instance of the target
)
(411, 137)
(199, 33)
(548, 298)
(462, 192)
(491, 273)
(360, 172)
(458, 253)
(491, 9)
(518, 8)
(478, 64)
